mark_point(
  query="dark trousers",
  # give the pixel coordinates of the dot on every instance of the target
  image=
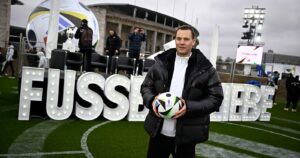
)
(135, 54)
(274, 96)
(292, 98)
(295, 102)
(110, 54)
(162, 146)
(10, 64)
(87, 58)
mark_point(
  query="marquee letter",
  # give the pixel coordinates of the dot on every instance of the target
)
(118, 113)
(53, 110)
(28, 93)
(223, 113)
(90, 96)
(251, 109)
(266, 102)
(135, 99)
(236, 106)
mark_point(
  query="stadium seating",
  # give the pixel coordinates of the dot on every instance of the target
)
(147, 64)
(100, 61)
(33, 60)
(74, 61)
(125, 63)
(58, 58)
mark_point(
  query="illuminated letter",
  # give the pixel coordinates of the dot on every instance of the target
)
(90, 96)
(135, 99)
(237, 99)
(223, 113)
(266, 102)
(53, 110)
(28, 93)
(251, 109)
(118, 113)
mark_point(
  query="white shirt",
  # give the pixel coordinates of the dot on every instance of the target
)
(43, 62)
(10, 54)
(177, 83)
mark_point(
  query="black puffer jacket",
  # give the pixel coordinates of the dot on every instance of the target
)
(113, 43)
(202, 92)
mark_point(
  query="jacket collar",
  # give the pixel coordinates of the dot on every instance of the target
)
(197, 59)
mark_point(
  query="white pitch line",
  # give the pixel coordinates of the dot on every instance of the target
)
(15, 87)
(269, 125)
(6, 108)
(42, 154)
(252, 146)
(84, 138)
(32, 140)
(286, 120)
(211, 151)
(14, 92)
(264, 130)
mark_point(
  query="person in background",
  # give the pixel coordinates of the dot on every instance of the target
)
(113, 44)
(273, 81)
(33, 50)
(43, 62)
(85, 36)
(9, 60)
(188, 74)
(292, 96)
(2, 59)
(136, 38)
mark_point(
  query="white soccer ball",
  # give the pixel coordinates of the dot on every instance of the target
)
(167, 104)
(71, 14)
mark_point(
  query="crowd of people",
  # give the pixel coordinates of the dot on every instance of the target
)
(113, 43)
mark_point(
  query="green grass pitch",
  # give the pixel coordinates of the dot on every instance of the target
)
(129, 140)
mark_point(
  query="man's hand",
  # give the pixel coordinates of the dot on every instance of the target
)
(154, 107)
(182, 111)
(136, 30)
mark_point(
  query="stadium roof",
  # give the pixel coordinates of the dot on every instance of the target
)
(151, 15)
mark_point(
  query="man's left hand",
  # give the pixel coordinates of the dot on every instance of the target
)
(182, 111)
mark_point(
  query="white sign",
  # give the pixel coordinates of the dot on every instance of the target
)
(249, 55)
(242, 102)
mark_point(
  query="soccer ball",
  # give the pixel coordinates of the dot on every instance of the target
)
(71, 14)
(167, 104)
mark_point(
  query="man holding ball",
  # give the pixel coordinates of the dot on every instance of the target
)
(188, 74)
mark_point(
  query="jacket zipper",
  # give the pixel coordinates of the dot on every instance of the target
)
(185, 89)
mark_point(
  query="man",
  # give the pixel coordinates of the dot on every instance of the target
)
(85, 36)
(2, 59)
(113, 44)
(296, 97)
(43, 62)
(293, 91)
(9, 60)
(136, 39)
(275, 78)
(186, 73)
(289, 91)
